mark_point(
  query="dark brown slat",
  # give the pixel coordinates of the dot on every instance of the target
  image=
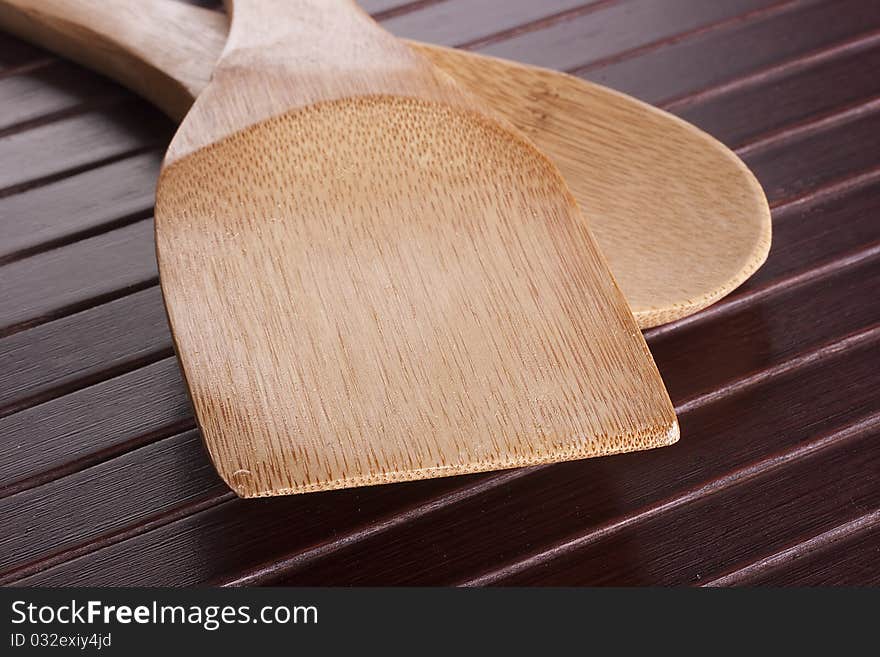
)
(70, 408)
(694, 542)
(832, 293)
(456, 22)
(513, 516)
(790, 96)
(845, 556)
(792, 167)
(211, 542)
(40, 286)
(796, 257)
(59, 515)
(615, 28)
(24, 230)
(58, 87)
(770, 331)
(208, 4)
(79, 204)
(93, 422)
(82, 347)
(709, 59)
(80, 141)
(375, 6)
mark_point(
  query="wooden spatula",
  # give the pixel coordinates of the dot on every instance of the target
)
(371, 279)
(680, 219)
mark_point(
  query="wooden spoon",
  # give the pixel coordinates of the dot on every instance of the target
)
(680, 219)
(371, 279)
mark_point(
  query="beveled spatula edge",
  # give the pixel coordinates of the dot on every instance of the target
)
(239, 480)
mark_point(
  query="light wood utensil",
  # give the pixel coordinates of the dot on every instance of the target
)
(371, 279)
(680, 219)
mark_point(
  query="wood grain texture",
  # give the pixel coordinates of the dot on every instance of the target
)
(812, 235)
(565, 486)
(507, 521)
(134, 328)
(618, 156)
(139, 64)
(428, 304)
(829, 227)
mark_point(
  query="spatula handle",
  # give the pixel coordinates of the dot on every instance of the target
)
(162, 49)
(286, 55)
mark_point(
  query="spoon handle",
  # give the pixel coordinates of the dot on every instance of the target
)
(162, 49)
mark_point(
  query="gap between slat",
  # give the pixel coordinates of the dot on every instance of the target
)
(28, 67)
(406, 8)
(791, 281)
(99, 102)
(536, 25)
(71, 238)
(774, 9)
(61, 175)
(777, 71)
(79, 306)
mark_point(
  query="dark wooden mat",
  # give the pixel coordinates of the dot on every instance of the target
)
(103, 478)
